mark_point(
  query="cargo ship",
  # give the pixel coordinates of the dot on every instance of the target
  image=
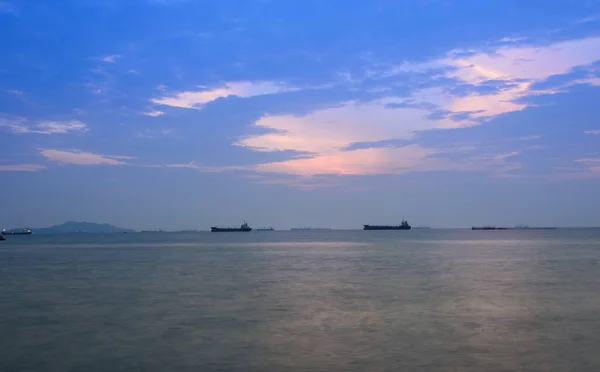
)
(403, 226)
(266, 229)
(243, 228)
(17, 232)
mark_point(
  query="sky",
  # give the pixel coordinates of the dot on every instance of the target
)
(182, 114)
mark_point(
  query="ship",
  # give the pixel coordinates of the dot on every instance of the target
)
(403, 226)
(311, 229)
(243, 228)
(25, 231)
(266, 229)
(488, 228)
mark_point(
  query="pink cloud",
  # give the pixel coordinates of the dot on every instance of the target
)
(196, 99)
(21, 167)
(78, 157)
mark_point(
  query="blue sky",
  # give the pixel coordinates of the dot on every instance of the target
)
(183, 113)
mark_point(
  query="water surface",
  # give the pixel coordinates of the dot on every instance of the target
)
(426, 300)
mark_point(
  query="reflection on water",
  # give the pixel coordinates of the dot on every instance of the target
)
(341, 301)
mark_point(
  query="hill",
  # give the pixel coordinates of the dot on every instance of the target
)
(70, 227)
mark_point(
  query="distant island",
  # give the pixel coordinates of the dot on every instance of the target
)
(71, 227)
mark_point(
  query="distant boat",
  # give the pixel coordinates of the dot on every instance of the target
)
(488, 228)
(2, 238)
(243, 228)
(17, 232)
(311, 229)
(266, 229)
(403, 226)
(153, 231)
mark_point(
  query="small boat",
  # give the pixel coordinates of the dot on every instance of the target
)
(2, 238)
(25, 231)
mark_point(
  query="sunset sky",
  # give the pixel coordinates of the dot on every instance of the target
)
(182, 114)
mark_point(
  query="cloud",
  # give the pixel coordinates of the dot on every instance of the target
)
(529, 138)
(328, 140)
(594, 18)
(588, 160)
(82, 158)
(21, 126)
(153, 113)
(332, 129)
(204, 168)
(166, 2)
(6, 7)
(15, 92)
(512, 39)
(57, 127)
(396, 161)
(158, 133)
(593, 132)
(466, 88)
(111, 59)
(21, 167)
(358, 162)
(489, 83)
(592, 165)
(196, 99)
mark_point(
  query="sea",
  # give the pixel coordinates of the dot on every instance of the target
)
(420, 300)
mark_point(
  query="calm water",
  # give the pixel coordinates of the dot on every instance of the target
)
(439, 300)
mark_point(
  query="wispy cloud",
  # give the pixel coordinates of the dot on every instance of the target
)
(196, 99)
(592, 166)
(205, 168)
(15, 92)
(153, 113)
(111, 58)
(588, 160)
(57, 127)
(22, 126)
(82, 158)
(155, 133)
(512, 68)
(594, 18)
(21, 167)
(7, 7)
(166, 2)
(397, 161)
(593, 132)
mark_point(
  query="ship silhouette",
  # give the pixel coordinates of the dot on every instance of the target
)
(243, 228)
(403, 226)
